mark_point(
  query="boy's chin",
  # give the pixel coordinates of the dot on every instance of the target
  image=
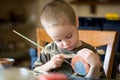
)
(69, 48)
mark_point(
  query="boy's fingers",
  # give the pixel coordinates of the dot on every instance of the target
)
(85, 52)
(68, 56)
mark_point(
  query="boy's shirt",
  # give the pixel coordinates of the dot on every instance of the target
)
(65, 68)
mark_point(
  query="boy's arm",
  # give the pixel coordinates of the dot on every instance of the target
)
(46, 61)
(94, 72)
(55, 62)
(45, 67)
(42, 62)
(93, 60)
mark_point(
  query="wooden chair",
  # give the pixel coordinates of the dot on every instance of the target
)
(93, 37)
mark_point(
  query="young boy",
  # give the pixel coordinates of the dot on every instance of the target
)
(60, 22)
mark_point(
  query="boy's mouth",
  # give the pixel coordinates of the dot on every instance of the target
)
(69, 48)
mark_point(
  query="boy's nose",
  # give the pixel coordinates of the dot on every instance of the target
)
(66, 43)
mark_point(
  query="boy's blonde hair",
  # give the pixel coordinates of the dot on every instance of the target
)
(58, 12)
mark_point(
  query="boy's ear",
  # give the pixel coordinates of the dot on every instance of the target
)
(77, 22)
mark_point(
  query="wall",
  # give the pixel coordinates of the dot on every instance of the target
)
(84, 10)
(24, 9)
(27, 7)
(101, 10)
(23, 20)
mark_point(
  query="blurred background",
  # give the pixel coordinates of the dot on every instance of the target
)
(23, 16)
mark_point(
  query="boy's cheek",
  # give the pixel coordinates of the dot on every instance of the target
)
(59, 45)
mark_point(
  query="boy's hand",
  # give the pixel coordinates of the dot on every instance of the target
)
(90, 57)
(56, 61)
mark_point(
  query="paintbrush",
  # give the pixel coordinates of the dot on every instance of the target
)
(52, 53)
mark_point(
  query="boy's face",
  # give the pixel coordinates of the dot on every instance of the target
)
(65, 36)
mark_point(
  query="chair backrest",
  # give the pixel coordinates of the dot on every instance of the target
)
(93, 37)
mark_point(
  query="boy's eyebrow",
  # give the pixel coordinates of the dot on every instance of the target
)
(65, 35)
(70, 32)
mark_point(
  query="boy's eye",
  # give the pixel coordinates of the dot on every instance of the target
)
(58, 40)
(69, 36)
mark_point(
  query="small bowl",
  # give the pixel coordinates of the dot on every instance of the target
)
(6, 62)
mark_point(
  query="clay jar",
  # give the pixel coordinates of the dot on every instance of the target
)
(6, 62)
